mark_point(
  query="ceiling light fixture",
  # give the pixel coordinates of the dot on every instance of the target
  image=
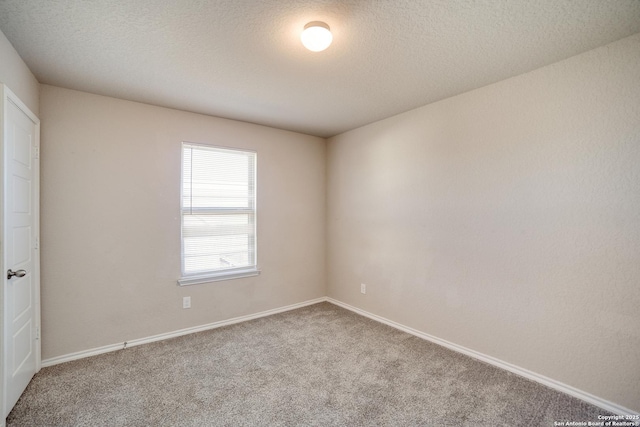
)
(316, 36)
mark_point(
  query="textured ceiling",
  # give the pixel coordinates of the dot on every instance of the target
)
(242, 59)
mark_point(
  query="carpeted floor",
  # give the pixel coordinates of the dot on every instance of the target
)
(317, 366)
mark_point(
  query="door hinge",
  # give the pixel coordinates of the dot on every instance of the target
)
(36, 153)
(37, 333)
(37, 243)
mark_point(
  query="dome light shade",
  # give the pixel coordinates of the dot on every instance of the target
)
(316, 36)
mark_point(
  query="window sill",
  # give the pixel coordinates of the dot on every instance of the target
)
(196, 280)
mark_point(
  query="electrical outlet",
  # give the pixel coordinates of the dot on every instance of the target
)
(363, 288)
(186, 302)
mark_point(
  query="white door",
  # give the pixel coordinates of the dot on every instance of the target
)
(20, 234)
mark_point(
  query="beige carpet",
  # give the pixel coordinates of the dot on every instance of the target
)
(317, 366)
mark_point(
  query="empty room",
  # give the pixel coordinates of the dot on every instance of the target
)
(320, 213)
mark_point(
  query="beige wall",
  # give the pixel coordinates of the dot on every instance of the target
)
(111, 221)
(505, 220)
(16, 75)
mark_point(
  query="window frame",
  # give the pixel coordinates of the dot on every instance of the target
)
(229, 273)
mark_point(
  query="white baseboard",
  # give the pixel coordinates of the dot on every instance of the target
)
(556, 385)
(119, 346)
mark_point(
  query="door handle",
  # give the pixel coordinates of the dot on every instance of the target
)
(19, 273)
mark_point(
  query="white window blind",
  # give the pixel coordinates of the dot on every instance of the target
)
(218, 212)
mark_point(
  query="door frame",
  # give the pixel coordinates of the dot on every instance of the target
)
(9, 97)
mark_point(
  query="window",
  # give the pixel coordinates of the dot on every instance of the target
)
(218, 213)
